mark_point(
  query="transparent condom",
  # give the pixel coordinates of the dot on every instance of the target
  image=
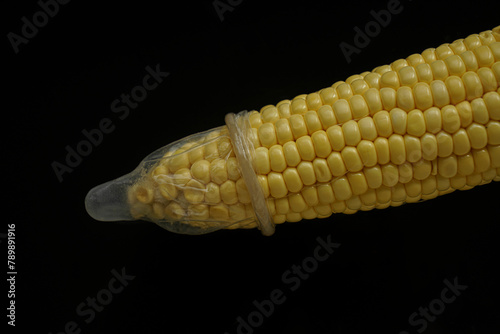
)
(196, 185)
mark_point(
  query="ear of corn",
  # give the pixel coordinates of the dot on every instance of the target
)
(412, 130)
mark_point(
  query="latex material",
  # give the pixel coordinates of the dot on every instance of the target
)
(191, 186)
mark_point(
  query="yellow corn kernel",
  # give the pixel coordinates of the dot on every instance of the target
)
(326, 116)
(397, 149)
(390, 79)
(473, 86)
(359, 86)
(479, 111)
(228, 192)
(373, 79)
(321, 170)
(200, 170)
(383, 123)
(313, 101)
(440, 94)
(493, 132)
(492, 101)
(310, 195)
(342, 110)
(451, 119)
(413, 148)
(352, 135)
(423, 95)
(458, 46)
(382, 69)
(144, 194)
(359, 107)
(455, 65)
(194, 191)
(277, 158)
(292, 179)
(198, 212)
(341, 189)
(344, 91)
(444, 51)
(445, 144)
(470, 60)
(267, 135)
(284, 108)
(336, 164)
(321, 143)
(484, 56)
(270, 114)
(429, 146)
(422, 169)
(390, 175)
(277, 186)
(312, 121)
(416, 123)
(405, 99)
(306, 173)
(398, 64)
(415, 59)
(358, 183)
(447, 166)
(373, 100)
(461, 143)
(439, 70)
(408, 76)
(399, 120)
(297, 203)
(424, 73)
(291, 153)
(367, 153)
(283, 131)
(433, 120)
(298, 126)
(482, 160)
(351, 158)
(456, 89)
(488, 79)
(233, 171)
(255, 119)
(325, 193)
(494, 152)
(388, 98)
(306, 148)
(298, 106)
(328, 95)
(465, 111)
(181, 177)
(477, 135)
(373, 176)
(336, 137)
(242, 192)
(382, 148)
(367, 128)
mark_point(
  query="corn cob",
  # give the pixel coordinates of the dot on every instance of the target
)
(413, 130)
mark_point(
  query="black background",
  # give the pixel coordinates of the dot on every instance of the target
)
(390, 262)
